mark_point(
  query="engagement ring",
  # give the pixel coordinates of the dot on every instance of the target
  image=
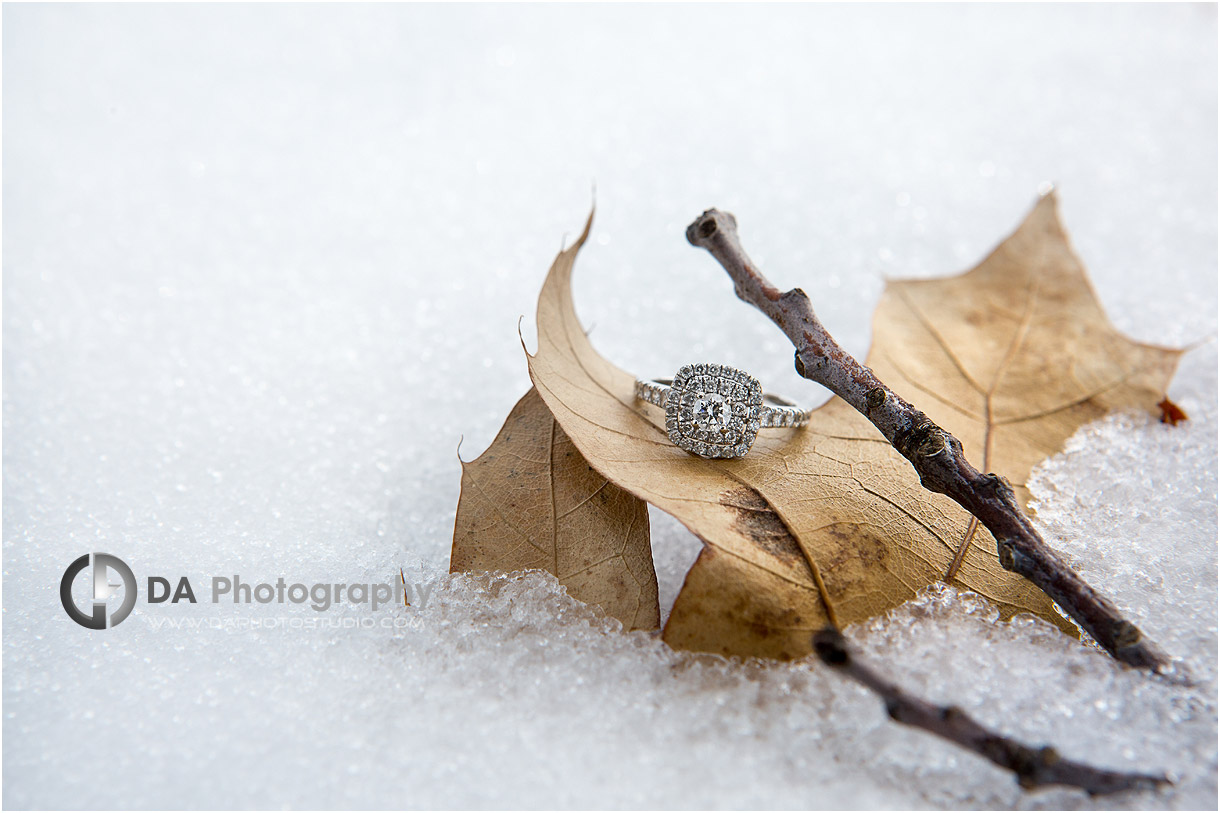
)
(716, 411)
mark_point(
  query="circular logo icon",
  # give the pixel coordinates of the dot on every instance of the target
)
(103, 590)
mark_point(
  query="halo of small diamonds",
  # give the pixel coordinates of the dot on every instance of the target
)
(713, 410)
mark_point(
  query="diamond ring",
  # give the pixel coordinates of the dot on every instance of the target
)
(716, 411)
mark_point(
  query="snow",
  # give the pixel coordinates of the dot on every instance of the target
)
(263, 270)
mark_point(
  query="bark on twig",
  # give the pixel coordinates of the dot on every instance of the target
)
(936, 455)
(1033, 766)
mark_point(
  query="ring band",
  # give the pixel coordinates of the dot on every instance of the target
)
(713, 410)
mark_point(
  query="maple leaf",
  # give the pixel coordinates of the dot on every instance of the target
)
(828, 524)
(532, 502)
(1016, 354)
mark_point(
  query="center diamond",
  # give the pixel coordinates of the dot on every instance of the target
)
(712, 412)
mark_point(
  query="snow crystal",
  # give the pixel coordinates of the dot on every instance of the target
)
(263, 271)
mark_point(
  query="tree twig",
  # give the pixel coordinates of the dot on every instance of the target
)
(936, 455)
(1033, 766)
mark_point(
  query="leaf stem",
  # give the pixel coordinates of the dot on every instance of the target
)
(934, 453)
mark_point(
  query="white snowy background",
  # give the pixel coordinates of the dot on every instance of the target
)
(263, 268)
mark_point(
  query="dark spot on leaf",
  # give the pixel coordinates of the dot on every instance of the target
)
(847, 553)
(754, 518)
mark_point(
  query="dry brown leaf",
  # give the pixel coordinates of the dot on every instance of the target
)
(532, 501)
(829, 523)
(1015, 355)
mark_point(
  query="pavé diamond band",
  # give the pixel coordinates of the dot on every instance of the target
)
(716, 411)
